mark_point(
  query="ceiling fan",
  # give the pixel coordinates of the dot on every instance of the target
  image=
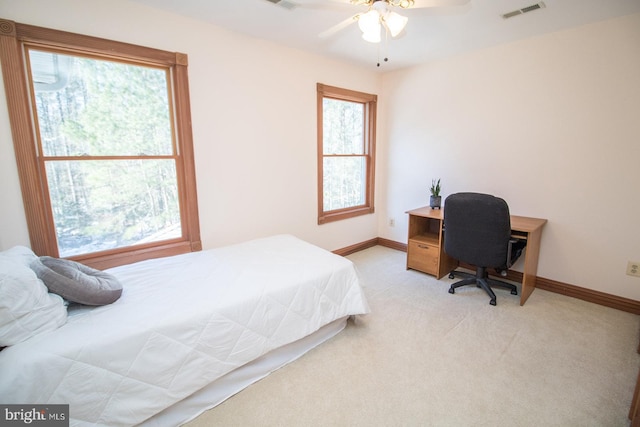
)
(380, 16)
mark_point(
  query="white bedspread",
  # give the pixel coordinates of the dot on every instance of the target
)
(181, 322)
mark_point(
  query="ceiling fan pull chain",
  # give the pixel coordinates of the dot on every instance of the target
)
(386, 44)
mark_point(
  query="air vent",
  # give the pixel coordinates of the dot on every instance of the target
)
(523, 10)
(284, 3)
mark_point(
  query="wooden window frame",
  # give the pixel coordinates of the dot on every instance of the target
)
(35, 197)
(370, 111)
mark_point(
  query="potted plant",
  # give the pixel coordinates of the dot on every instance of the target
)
(435, 199)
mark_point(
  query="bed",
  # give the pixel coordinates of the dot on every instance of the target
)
(187, 332)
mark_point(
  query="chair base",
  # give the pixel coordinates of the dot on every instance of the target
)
(481, 280)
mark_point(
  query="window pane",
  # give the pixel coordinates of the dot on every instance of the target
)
(100, 108)
(343, 126)
(99, 205)
(344, 182)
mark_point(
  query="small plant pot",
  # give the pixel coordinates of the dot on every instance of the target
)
(434, 202)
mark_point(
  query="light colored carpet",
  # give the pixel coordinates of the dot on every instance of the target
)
(424, 357)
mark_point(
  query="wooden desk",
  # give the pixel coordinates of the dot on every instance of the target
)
(425, 247)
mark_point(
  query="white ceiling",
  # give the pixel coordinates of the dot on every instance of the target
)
(431, 33)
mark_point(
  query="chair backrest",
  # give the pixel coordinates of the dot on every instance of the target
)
(477, 229)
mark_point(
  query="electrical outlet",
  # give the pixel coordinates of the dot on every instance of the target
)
(392, 222)
(633, 268)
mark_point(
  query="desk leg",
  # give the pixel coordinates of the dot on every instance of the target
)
(530, 273)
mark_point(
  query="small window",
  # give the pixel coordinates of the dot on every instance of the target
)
(346, 153)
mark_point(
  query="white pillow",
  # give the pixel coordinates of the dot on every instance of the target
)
(26, 307)
(20, 254)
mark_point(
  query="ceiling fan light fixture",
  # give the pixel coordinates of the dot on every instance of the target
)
(369, 22)
(402, 3)
(395, 23)
(372, 36)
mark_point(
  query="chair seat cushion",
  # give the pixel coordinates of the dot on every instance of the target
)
(77, 282)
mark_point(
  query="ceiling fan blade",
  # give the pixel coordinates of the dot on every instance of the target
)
(320, 4)
(339, 26)
(310, 4)
(437, 3)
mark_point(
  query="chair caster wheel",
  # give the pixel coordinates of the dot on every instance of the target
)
(514, 292)
(451, 276)
(452, 291)
(492, 302)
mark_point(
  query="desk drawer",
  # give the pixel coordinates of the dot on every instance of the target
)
(423, 257)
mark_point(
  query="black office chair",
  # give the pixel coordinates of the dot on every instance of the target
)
(477, 231)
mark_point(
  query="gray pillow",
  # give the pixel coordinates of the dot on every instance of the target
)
(77, 282)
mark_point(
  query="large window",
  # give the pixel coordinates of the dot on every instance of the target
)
(103, 144)
(346, 153)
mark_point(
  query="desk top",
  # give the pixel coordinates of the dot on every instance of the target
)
(525, 223)
(519, 223)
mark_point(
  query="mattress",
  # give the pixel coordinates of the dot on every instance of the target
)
(182, 322)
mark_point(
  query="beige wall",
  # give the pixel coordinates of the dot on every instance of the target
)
(254, 122)
(551, 124)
